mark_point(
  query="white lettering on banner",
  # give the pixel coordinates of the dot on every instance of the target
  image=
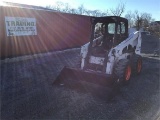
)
(20, 26)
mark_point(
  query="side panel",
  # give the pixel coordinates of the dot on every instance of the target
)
(138, 47)
(123, 50)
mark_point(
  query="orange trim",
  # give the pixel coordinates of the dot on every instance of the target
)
(128, 73)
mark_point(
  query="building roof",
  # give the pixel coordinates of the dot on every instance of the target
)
(25, 6)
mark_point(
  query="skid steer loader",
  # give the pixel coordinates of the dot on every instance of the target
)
(109, 59)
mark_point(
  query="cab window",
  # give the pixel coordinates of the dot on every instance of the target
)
(111, 28)
(122, 27)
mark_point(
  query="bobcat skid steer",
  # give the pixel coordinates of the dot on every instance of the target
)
(111, 58)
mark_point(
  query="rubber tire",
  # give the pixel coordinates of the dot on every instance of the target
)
(120, 71)
(119, 77)
(134, 64)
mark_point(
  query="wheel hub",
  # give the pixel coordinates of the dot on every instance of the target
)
(128, 73)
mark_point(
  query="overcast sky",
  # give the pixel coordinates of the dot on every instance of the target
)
(149, 6)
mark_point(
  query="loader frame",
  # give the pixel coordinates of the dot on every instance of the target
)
(100, 67)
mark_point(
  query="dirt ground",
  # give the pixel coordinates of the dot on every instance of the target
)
(27, 91)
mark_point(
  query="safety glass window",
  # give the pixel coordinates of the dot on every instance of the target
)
(122, 27)
(111, 28)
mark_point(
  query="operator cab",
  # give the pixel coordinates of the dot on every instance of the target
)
(107, 32)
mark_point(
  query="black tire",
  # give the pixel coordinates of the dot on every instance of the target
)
(119, 76)
(122, 71)
(136, 64)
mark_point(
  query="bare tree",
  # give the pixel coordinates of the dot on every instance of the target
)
(105, 13)
(59, 6)
(81, 10)
(119, 10)
(146, 19)
(65, 7)
(130, 17)
(96, 13)
(49, 7)
(138, 17)
(73, 11)
(88, 12)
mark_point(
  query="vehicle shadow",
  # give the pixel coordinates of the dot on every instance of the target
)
(139, 84)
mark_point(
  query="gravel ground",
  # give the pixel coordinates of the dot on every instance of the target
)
(27, 91)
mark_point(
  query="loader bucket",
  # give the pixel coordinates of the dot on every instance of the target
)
(73, 75)
(97, 84)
